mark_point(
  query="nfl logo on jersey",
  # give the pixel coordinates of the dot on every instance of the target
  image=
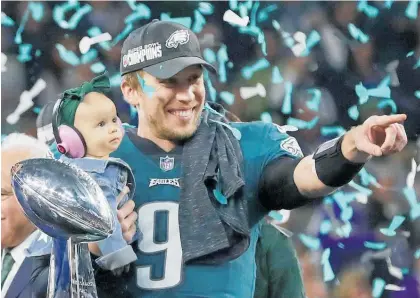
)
(167, 163)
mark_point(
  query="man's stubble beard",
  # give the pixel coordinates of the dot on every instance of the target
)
(166, 133)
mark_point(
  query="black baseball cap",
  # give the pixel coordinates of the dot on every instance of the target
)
(162, 49)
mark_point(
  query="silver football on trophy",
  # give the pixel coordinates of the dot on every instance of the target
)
(62, 200)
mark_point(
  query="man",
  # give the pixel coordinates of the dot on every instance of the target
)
(278, 271)
(203, 183)
(21, 276)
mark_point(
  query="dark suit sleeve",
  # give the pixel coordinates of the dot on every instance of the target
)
(39, 276)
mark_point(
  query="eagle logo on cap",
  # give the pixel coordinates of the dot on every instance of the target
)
(177, 38)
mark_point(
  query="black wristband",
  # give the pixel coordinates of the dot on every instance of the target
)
(332, 168)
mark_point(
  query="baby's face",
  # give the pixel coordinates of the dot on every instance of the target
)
(96, 119)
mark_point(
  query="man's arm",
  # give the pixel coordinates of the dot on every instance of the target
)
(377, 136)
(287, 183)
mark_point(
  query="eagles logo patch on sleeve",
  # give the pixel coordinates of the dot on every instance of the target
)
(291, 145)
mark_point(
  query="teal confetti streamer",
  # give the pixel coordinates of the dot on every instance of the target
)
(370, 11)
(36, 110)
(388, 3)
(6, 20)
(18, 36)
(276, 77)
(133, 112)
(97, 67)
(141, 13)
(410, 195)
(328, 273)
(380, 91)
(37, 53)
(275, 215)
(375, 245)
(248, 71)
(353, 112)
(261, 41)
(346, 213)
(24, 53)
(332, 130)
(417, 254)
(362, 93)
(409, 54)
(287, 102)
(209, 55)
(310, 242)
(363, 190)
(412, 9)
(115, 80)
(378, 287)
(91, 55)
(186, 21)
(344, 230)
(227, 97)
(212, 90)
(230, 64)
(66, 55)
(367, 178)
(149, 90)
(325, 227)
(417, 65)
(205, 8)
(233, 4)
(199, 22)
(388, 102)
(266, 117)
(253, 16)
(123, 34)
(313, 104)
(95, 31)
(60, 11)
(301, 124)
(263, 13)
(37, 10)
(417, 94)
(223, 58)
(251, 30)
(395, 223)
(243, 10)
(340, 245)
(220, 197)
(311, 41)
(357, 34)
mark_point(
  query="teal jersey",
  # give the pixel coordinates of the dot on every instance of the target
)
(159, 270)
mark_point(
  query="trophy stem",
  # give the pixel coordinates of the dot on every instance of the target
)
(82, 275)
(59, 275)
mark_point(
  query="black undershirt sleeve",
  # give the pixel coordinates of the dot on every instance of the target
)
(277, 189)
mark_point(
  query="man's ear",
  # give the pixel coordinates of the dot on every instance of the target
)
(131, 95)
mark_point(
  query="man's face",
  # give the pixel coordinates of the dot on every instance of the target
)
(96, 119)
(172, 108)
(15, 227)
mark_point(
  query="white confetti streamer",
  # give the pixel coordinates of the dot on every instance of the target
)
(25, 101)
(86, 42)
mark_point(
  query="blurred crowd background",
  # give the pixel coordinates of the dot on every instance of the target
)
(320, 66)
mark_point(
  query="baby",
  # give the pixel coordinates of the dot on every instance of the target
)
(87, 130)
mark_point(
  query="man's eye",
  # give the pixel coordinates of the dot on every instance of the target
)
(194, 79)
(101, 124)
(114, 120)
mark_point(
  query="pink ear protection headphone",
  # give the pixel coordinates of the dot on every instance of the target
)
(69, 140)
